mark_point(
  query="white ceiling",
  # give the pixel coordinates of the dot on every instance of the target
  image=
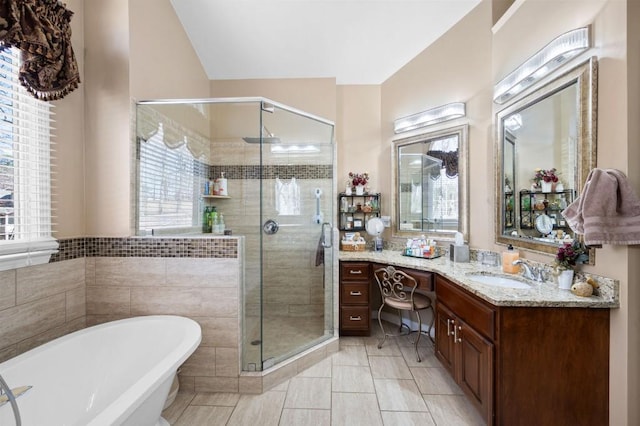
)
(355, 41)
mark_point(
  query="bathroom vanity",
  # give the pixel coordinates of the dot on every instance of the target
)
(518, 354)
(357, 290)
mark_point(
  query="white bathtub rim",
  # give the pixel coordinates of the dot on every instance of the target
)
(122, 407)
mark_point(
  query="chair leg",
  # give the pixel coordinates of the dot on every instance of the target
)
(418, 334)
(384, 333)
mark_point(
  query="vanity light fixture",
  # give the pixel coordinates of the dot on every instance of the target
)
(546, 60)
(513, 122)
(432, 116)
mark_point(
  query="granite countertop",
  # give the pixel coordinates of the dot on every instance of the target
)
(545, 294)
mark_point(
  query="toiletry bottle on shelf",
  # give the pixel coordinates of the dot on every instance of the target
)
(213, 217)
(221, 224)
(205, 220)
(221, 185)
(508, 257)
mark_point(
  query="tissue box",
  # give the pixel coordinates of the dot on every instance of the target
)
(459, 253)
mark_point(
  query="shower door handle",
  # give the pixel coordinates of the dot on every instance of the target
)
(270, 227)
(326, 225)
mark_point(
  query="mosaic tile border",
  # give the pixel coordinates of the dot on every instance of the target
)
(299, 171)
(73, 248)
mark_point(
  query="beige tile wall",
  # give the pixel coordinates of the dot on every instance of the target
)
(39, 304)
(204, 289)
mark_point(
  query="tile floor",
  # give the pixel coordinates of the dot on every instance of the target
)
(359, 385)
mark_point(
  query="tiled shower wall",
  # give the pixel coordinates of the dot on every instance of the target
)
(93, 280)
(290, 289)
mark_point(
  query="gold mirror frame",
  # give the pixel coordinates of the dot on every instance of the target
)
(585, 76)
(462, 131)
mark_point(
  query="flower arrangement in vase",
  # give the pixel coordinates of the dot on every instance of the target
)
(359, 181)
(568, 256)
(545, 179)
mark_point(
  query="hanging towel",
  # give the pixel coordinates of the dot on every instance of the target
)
(287, 197)
(607, 211)
(416, 198)
(320, 252)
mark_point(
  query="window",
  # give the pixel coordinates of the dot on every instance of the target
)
(25, 172)
(171, 170)
(168, 185)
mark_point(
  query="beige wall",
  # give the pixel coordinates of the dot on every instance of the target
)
(360, 148)
(163, 64)
(313, 95)
(125, 42)
(456, 68)
(107, 117)
(631, 335)
(68, 162)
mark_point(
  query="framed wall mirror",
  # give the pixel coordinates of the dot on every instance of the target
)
(546, 146)
(429, 184)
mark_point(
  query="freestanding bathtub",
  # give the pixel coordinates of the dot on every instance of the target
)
(117, 373)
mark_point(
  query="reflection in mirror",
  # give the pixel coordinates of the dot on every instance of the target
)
(546, 147)
(430, 184)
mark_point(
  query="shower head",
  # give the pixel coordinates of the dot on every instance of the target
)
(263, 140)
(267, 137)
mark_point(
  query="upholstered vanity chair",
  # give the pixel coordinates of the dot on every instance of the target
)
(398, 291)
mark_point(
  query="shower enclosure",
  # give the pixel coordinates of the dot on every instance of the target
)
(278, 166)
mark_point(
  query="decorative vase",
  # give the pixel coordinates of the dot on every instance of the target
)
(565, 279)
(347, 190)
(559, 187)
(546, 186)
(359, 189)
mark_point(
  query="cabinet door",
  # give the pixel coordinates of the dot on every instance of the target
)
(444, 337)
(474, 370)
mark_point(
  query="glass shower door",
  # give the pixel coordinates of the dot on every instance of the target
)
(296, 209)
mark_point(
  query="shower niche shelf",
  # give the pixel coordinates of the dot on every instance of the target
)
(216, 196)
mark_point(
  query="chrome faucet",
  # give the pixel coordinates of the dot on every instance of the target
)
(531, 272)
(12, 400)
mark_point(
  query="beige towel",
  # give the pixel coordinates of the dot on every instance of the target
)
(607, 211)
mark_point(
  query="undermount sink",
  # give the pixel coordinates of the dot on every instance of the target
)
(498, 281)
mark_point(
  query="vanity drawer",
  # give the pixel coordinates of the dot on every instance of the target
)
(476, 313)
(424, 279)
(354, 271)
(354, 317)
(354, 294)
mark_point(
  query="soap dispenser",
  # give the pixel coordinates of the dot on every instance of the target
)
(509, 256)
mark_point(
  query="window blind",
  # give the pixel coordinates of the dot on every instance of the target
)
(25, 172)
(169, 185)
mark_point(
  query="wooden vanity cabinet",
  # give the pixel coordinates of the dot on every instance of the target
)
(355, 305)
(358, 288)
(464, 326)
(525, 365)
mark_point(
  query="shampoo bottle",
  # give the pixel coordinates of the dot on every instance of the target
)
(508, 257)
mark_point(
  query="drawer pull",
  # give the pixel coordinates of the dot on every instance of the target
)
(449, 322)
(352, 318)
(355, 293)
(352, 272)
